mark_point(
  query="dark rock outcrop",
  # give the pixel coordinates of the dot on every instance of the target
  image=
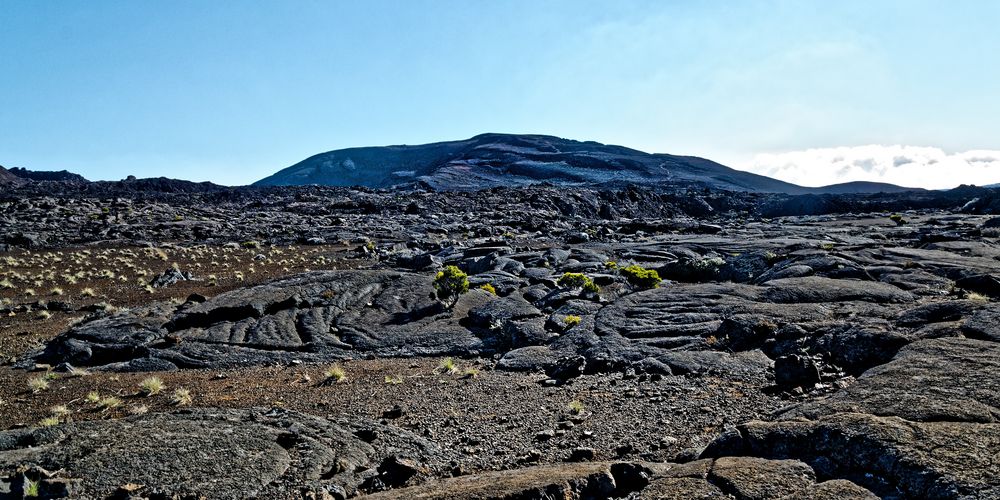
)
(267, 453)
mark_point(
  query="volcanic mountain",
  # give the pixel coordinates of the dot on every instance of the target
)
(490, 160)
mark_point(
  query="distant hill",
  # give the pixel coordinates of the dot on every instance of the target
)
(490, 160)
(863, 187)
(65, 183)
(47, 176)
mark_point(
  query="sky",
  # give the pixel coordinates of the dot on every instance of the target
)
(811, 92)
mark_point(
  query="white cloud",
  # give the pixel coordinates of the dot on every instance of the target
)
(910, 166)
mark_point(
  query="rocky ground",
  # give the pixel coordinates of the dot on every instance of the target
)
(290, 343)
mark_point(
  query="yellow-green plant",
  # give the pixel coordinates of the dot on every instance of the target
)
(571, 320)
(451, 282)
(575, 407)
(448, 365)
(151, 386)
(641, 277)
(335, 373)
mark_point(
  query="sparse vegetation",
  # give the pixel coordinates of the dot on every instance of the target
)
(138, 410)
(38, 384)
(49, 422)
(335, 374)
(448, 366)
(488, 288)
(151, 386)
(451, 282)
(898, 219)
(109, 403)
(771, 257)
(181, 397)
(59, 411)
(641, 277)
(573, 280)
(394, 379)
(92, 397)
(30, 487)
(571, 320)
(578, 280)
(575, 407)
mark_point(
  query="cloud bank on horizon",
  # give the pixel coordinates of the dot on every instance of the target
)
(910, 166)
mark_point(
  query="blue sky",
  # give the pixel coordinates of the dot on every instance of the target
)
(231, 91)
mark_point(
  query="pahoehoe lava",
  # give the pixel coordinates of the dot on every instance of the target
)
(799, 345)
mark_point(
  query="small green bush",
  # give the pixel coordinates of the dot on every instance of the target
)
(898, 219)
(578, 280)
(451, 282)
(573, 280)
(571, 320)
(489, 288)
(641, 277)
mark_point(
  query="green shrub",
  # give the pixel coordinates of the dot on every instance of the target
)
(898, 219)
(571, 320)
(451, 282)
(578, 280)
(573, 280)
(489, 288)
(641, 277)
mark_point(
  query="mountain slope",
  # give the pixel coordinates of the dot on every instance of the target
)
(9, 179)
(490, 160)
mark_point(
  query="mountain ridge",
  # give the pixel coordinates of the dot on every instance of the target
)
(494, 159)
